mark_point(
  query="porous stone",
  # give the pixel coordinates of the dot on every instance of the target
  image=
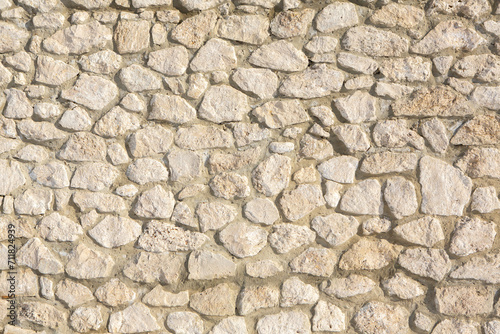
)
(193, 31)
(472, 235)
(286, 322)
(301, 201)
(369, 254)
(287, 237)
(252, 29)
(328, 317)
(115, 293)
(272, 175)
(398, 15)
(161, 237)
(290, 24)
(217, 301)
(480, 162)
(375, 316)
(464, 300)
(481, 268)
(426, 262)
(374, 42)
(314, 261)
(253, 298)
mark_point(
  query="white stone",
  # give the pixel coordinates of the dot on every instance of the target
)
(261, 211)
(340, 169)
(161, 237)
(215, 55)
(316, 81)
(252, 29)
(171, 61)
(171, 108)
(147, 170)
(335, 228)
(426, 262)
(287, 237)
(289, 322)
(205, 265)
(214, 215)
(485, 200)
(136, 318)
(374, 42)
(472, 235)
(243, 240)
(137, 78)
(280, 56)
(37, 256)
(272, 175)
(91, 91)
(223, 104)
(328, 317)
(185, 323)
(279, 114)
(301, 201)
(260, 82)
(55, 227)
(403, 287)
(375, 317)
(112, 232)
(425, 231)
(86, 263)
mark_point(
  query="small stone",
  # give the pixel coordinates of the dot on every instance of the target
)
(199, 137)
(85, 319)
(335, 228)
(72, 293)
(86, 263)
(133, 102)
(395, 14)
(375, 317)
(337, 16)
(84, 92)
(434, 132)
(253, 298)
(12, 176)
(75, 119)
(295, 292)
(170, 61)
(205, 265)
(389, 162)
(152, 140)
(426, 231)
(485, 200)
(374, 42)
(161, 237)
(146, 170)
(321, 44)
(448, 34)
(159, 297)
(292, 132)
(117, 154)
(351, 286)
(313, 148)
(32, 153)
(443, 64)
(272, 175)
(305, 175)
(314, 261)
(114, 232)
(340, 169)
(53, 175)
(46, 111)
(400, 196)
(229, 185)
(491, 327)
(94, 176)
(445, 189)
(284, 322)
(102, 62)
(260, 82)
(395, 133)
(85, 200)
(261, 211)
(223, 104)
(136, 318)
(464, 300)
(287, 237)
(115, 293)
(360, 82)
(12, 37)
(328, 317)
(480, 162)
(469, 9)
(316, 81)
(231, 325)
(185, 323)
(332, 193)
(148, 267)
(406, 69)
(280, 114)
(215, 55)
(137, 78)
(457, 326)
(290, 24)
(182, 215)
(193, 31)
(171, 108)
(34, 201)
(184, 165)
(214, 215)
(353, 137)
(53, 72)
(301, 201)
(39, 132)
(403, 287)
(358, 107)
(42, 314)
(263, 268)
(55, 227)
(17, 104)
(252, 29)
(426, 262)
(191, 190)
(369, 254)
(482, 67)
(243, 240)
(423, 322)
(217, 301)
(472, 235)
(37, 256)
(356, 63)
(116, 122)
(364, 198)
(280, 56)
(482, 268)
(131, 36)
(481, 130)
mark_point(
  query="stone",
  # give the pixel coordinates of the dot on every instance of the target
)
(261, 211)
(485, 200)
(85, 319)
(251, 29)
(147, 170)
(395, 133)
(185, 323)
(91, 91)
(191, 190)
(72, 293)
(75, 119)
(35, 255)
(112, 232)
(301, 201)
(375, 317)
(457, 326)
(246, 133)
(332, 193)
(12, 37)
(171, 61)
(229, 185)
(39, 132)
(389, 162)
(137, 78)
(358, 107)
(400, 196)
(86, 263)
(469, 9)
(328, 317)
(133, 102)
(481, 268)
(55, 227)
(374, 42)
(183, 215)
(214, 215)
(114, 293)
(360, 82)
(253, 298)
(78, 39)
(287, 237)
(448, 34)
(464, 300)
(272, 175)
(155, 203)
(314, 261)
(353, 137)
(12, 176)
(102, 202)
(115, 123)
(50, 21)
(220, 162)
(434, 132)
(217, 301)
(316, 81)
(443, 64)
(171, 108)
(305, 175)
(42, 314)
(340, 169)
(197, 137)
(369, 254)
(17, 104)
(34, 201)
(364, 198)
(134, 319)
(335, 228)
(46, 111)
(472, 235)
(281, 113)
(161, 237)
(102, 62)
(321, 44)
(159, 297)
(184, 165)
(356, 63)
(426, 262)
(215, 55)
(94, 176)
(53, 175)
(32, 153)
(148, 267)
(131, 36)
(243, 240)
(480, 162)
(290, 24)
(350, 286)
(295, 292)
(409, 69)
(480, 130)
(149, 141)
(398, 15)
(193, 31)
(288, 322)
(445, 189)
(53, 72)
(231, 325)
(425, 231)
(491, 327)
(313, 148)
(205, 265)
(337, 16)
(259, 82)
(403, 287)
(223, 104)
(263, 268)
(482, 67)
(280, 56)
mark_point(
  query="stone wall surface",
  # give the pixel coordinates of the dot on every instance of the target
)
(254, 166)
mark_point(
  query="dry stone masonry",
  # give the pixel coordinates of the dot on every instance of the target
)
(250, 166)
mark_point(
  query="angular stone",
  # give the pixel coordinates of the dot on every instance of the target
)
(85, 319)
(185, 323)
(17, 104)
(223, 104)
(161, 237)
(12, 38)
(86, 263)
(301, 201)
(425, 231)
(403, 287)
(328, 317)
(395, 133)
(374, 42)
(335, 228)
(316, 81)
(193, 31)
(287, 237)
(136, 318)
(295, 292)
(353, 137)
(464, 300)
(42, 314)
(314, 261)
(214, 215)
(114, 231)
(456, 326)
(480, 162)
(448, 34)
(389, 162)
(39, 132)
(284, 322)
(102, 202)
(260, 82)
(337, 16)
(116, 122)
(231, 325)
(472, 235)
(115, 293)
(400, 196)
(229, 185)
(406, 69)
(198, 137)
(53, 72)
(102, 62)
(485, 200)
(358, 107)
(261, 211)
(148, 267)
(481, 130)
(11, 177)
(434, 132)
(171, 61)
(376, 317)
(72, 293)
(159, 297)
(155, 203)
(55, 227)
(398, 15)
(364, 198)
(205, 265)
(280, 56)
(321, 44)
(481, 268)
(263, 268)
(251, 29)
(313, 148)
(37, 256)
(356, 63)
(253, 298)
(339, 169)
(290, 24)
(272, 175)
(426, 262)
(243, 240)
(350, 286)
(217, 301)
(469, 9)
(137, 78)
(487, 97)
(280, 114)
(34, 201)
(369, 254)
(131, 36)
(484, 67)
(445, 189)
(215, 55)
(184, 165)
(94, 176)
(152, 140)
(75, 119)
(146, 170)
(171, 108)
(91, 91)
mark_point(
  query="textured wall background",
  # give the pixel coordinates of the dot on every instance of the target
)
(261, 166)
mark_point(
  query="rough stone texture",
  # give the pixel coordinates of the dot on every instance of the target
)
(472, 235)
(369, 254)
(376, 317)
(464, 300)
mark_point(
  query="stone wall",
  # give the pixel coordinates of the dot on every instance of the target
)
(255, 166)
